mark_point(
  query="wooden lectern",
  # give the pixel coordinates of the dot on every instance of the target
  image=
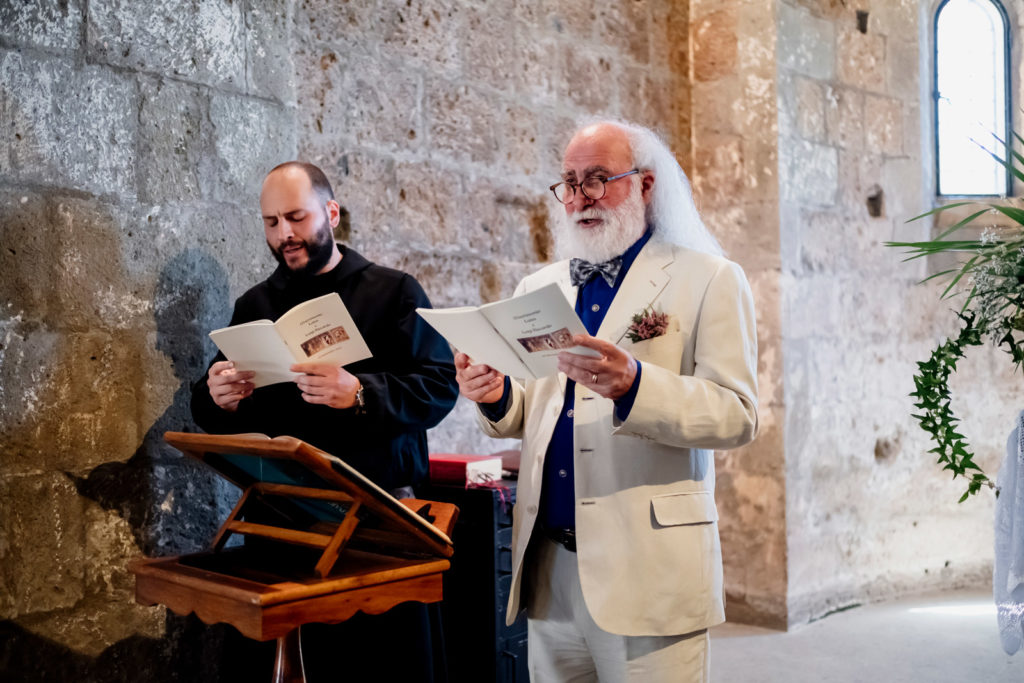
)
(324, 542)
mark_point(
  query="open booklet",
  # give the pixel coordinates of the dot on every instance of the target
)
(319, 330)
(520, 337)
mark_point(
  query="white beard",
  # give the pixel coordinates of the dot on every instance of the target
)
(619, 229)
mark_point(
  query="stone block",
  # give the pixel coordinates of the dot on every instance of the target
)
(660, 103)
(68, 127)
(490, 52)
(95, 625)
(894, 18)
(756, 109)
(350, 98)
(860, 60)
(346, 26)
(718, 173)
(860, 177)
(883, 125)
(172, 146)
(422, 31)
(822, 244)
(27, 405)
(505, 222)
(844, 117)
(714, 45)
(748, 232)
(249, 137)
(88, 251)
(27, 260)
(806, 44)
(901, 180)
(809, 173)
(810, 109)
(624, 27)
(573, 17)
(716, 104)
(364, 184)
(589, 80)
(269, 68)
(428, 206)
(462, 122)
(109, 545)
(42, 539)
(902, 66)
(538, 69)
(49, 24)
(760, 172)
(198, 41)
(670, 37)
(517, 134)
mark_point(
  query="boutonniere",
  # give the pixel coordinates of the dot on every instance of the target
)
(647, 324)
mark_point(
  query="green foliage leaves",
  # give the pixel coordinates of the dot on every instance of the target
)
(936, 417)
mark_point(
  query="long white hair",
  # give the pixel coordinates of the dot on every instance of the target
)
(672, 212)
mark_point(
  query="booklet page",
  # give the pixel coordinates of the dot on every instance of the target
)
(321, 330)
(256, 346)
(469, 331)
(538, 325)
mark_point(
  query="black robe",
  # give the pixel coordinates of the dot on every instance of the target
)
(409, 383)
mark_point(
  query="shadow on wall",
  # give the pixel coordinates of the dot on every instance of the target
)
(172, 506)
(170, 501)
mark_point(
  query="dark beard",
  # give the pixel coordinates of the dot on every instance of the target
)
(319, 252)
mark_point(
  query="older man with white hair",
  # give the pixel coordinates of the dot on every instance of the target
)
(615, 550)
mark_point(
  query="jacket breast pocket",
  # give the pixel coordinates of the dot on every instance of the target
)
(678, 509)
(665, 351)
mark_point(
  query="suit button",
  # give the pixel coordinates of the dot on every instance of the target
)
(569, 413)
(563, 474)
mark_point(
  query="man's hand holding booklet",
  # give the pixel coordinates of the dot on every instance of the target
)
(319, 330)
(519, 337)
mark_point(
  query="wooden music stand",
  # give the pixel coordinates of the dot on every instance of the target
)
(352, 546)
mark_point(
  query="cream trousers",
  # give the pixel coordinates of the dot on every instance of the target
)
(566, 646)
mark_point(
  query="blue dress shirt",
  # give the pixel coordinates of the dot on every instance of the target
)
(558, 495)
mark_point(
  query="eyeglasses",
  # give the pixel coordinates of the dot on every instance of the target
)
(592, 187)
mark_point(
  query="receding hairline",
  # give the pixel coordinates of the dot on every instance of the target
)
(317, 179)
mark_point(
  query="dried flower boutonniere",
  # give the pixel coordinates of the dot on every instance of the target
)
(647, 324)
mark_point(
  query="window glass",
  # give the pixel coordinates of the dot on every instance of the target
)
(971, 98)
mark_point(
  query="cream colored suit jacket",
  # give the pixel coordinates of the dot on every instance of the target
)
(650, 561)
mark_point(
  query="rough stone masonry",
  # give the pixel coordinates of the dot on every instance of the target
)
(134, 139)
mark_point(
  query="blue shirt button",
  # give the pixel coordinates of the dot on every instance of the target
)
(563, 474)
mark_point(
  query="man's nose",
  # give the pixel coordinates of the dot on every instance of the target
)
(579, 201)
(284, 229)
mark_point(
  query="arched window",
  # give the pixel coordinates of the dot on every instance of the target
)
(971, 97)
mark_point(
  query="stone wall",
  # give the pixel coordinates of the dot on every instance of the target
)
(735, 179)
(868, 514)
(136, 136)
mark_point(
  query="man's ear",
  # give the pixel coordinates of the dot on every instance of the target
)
(647, 186)
(333, 212)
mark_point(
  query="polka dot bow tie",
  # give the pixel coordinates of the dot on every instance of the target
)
(581, 271)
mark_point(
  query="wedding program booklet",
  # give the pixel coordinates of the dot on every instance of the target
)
(520, 337)
(319, 330)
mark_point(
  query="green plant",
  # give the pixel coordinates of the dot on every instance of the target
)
(990, 277)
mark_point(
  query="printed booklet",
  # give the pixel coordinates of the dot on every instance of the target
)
(520, 337)
(319, 330)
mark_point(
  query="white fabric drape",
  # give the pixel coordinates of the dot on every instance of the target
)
(1008, 575)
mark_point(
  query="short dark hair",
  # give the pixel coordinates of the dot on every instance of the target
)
(321, 185)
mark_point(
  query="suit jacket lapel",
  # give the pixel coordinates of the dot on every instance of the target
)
(645, 280)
